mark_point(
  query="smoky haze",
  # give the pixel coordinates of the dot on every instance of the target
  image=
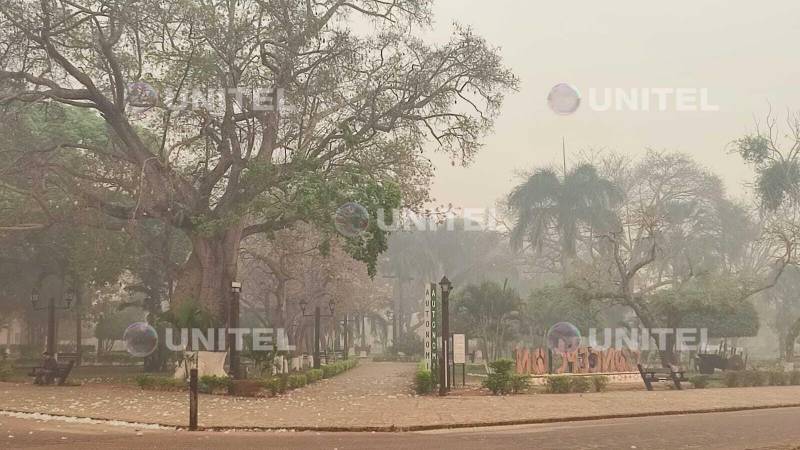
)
(736, 49)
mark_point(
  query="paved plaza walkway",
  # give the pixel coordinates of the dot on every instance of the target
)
(374, 395)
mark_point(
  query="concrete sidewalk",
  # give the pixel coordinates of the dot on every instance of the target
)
(376, 396)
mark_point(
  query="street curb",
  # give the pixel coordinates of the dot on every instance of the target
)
(412, 428)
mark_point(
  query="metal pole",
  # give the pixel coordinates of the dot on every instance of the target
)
(78, 331)
(316, 337)
(234, 345)
(51, 326)
(346, 332)
(193, 400)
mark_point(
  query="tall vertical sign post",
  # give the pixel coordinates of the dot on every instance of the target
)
(428, 338)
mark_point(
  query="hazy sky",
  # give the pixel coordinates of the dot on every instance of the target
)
(743, 52)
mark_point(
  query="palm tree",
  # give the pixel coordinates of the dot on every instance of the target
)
(544, 202)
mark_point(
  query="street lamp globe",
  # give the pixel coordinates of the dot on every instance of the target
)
(446, 285)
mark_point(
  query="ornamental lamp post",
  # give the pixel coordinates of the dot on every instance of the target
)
(444, 364)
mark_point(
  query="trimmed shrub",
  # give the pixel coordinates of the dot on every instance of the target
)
(699, 381)
(498, 383)
(794, 378)
(558, 384)
(423, 381)
(755, 378)
(599, 382)
(777, 378)
(502, 381)
(156, 383)
(579, 384)
(502, 366)
(732, 378)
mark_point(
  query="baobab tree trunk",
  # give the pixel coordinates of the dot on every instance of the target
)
(207, 275)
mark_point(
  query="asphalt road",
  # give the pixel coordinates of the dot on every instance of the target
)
(761, 429)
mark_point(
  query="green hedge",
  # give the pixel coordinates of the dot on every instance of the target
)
(6, 370)
(314, 375)
(209, 384)
(752, 378)
(564, 384)
(278, 384)
(331, 370)
(599, 382)
(297, 380)
(159, 383)
(699, 381)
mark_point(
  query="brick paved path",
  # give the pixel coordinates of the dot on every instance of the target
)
(371, 395)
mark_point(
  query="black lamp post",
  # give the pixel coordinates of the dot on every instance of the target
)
(51, 308)
(233, 322)
(317, 319)
(444, 363)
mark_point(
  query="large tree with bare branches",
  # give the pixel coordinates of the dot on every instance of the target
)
(363, 97)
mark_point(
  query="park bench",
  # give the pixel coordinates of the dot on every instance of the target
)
(66, 362)
(651, 374)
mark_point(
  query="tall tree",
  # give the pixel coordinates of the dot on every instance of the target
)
(362, 106)
(775, 156)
